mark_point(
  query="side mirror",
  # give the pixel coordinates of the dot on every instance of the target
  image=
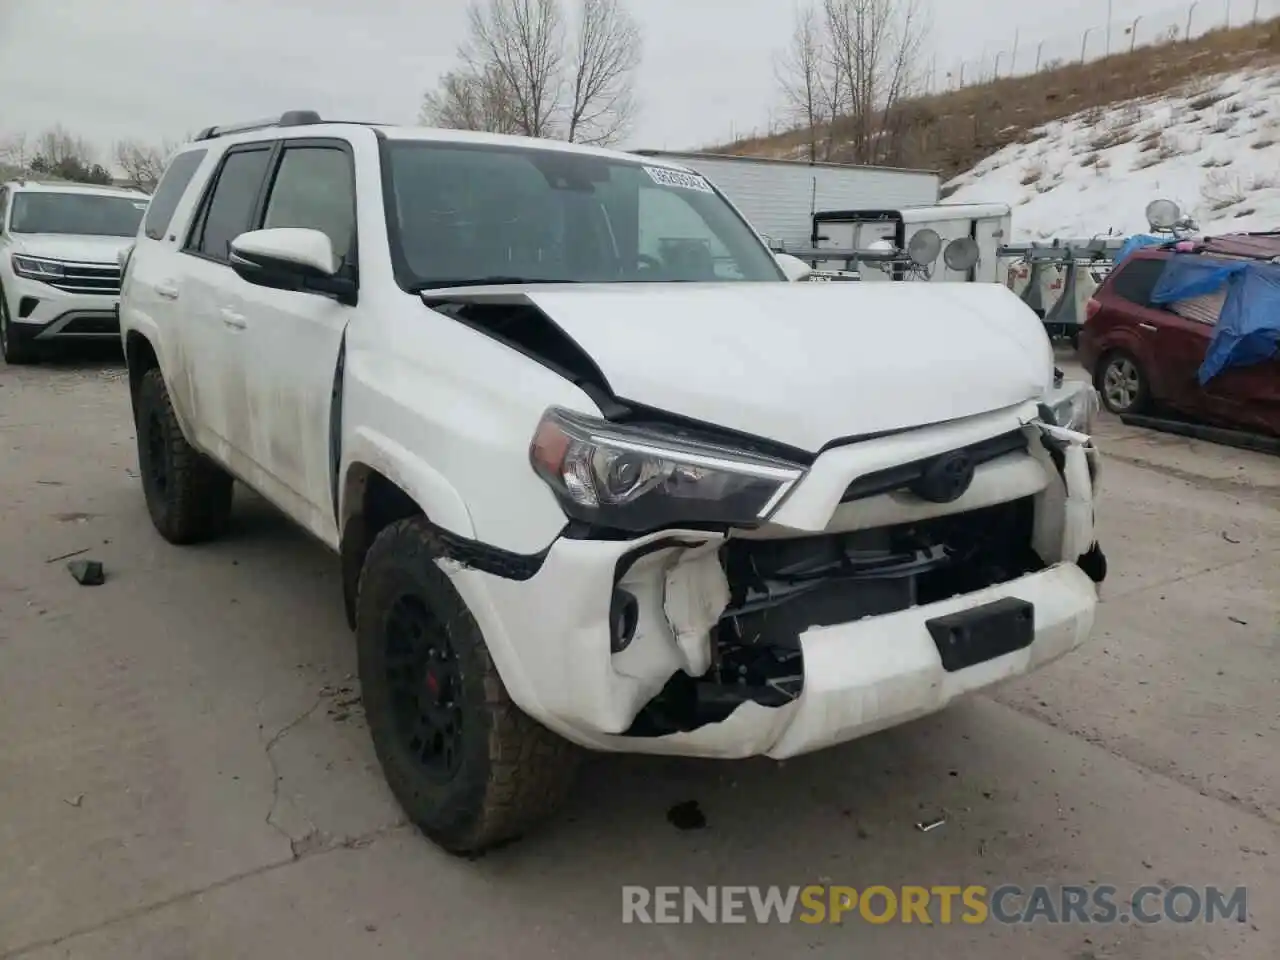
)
(794, 268)
(291, 258)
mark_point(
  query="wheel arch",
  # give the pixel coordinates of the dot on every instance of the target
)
(140, 357)
(374, 496)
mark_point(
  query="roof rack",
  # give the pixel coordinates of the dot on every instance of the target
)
(290, 118)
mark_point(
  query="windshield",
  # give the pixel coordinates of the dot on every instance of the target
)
(82, 214)
(469, 214)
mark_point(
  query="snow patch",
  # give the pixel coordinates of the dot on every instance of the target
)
(1212, 146)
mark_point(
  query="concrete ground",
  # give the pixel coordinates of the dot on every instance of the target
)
(184, 769)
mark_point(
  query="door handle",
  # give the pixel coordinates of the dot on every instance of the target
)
(167, 291)
(1148, 326)
(234, 320)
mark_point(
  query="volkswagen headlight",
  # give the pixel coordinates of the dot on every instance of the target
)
(34, 268)
(640, 479)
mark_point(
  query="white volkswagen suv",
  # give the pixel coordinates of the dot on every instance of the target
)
(598, 475)
(60, 250)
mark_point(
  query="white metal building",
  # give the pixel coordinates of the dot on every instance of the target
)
(779, 197)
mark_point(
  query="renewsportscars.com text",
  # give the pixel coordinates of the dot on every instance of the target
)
(942, 905)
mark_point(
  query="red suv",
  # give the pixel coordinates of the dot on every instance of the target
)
(1143, 355)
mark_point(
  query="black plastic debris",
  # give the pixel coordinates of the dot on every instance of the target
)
(88, 573)
(687, 816)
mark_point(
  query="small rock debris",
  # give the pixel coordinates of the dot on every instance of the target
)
(87, 573)
(687, 816)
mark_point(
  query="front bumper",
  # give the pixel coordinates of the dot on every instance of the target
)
(40, 313)
(859, 677)
(550, 637)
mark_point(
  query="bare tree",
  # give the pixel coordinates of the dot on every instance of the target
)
(467, 99)
(142, 163)
(520, 74)
(605, 58)
(15, 155)
(853, 63)
(523, 40)
(799, 70)
(60, 148)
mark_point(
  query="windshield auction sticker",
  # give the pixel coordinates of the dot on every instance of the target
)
(677, 178)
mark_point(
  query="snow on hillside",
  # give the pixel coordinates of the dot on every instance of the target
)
(1214, 148)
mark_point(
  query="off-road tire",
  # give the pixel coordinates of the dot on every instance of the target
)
(513, 772)
(188, 495)
(1141, 401)
(15, 352)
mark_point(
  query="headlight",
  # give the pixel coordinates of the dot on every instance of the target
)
(638, 479)
(34, 269)
(1077, 408)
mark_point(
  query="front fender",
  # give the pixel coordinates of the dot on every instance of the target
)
(439, 500)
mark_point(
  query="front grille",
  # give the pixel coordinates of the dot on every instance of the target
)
(92, 278)
(907, 474)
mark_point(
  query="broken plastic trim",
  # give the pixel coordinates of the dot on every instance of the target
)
(779, 589)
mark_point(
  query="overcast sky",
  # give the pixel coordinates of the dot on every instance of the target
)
(151, 69)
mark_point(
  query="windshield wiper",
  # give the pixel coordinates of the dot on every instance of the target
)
(495, 281)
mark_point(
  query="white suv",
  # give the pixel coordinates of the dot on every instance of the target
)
(60, 250)
(598, 475)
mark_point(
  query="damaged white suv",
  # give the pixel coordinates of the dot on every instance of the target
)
(598, 474)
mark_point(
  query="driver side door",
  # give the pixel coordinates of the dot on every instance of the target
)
(293, 340)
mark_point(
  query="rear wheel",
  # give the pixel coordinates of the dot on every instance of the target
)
(14, 351)
(1122, 383)
(469, 768)
(188, 495)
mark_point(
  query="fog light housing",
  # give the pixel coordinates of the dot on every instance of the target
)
(624, 616)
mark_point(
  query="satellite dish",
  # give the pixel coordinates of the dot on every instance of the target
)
(1163, 214)
(961, 254)
(924, 246)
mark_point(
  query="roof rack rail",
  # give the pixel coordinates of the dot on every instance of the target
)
(290, 118)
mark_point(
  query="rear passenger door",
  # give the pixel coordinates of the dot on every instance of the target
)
(293, 339)
(214, 361)
(1171, 348)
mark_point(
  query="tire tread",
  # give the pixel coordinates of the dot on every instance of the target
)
(530, 769)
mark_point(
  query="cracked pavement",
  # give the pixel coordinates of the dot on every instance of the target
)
(185, 772)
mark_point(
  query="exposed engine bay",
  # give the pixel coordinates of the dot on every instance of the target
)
(780, 588)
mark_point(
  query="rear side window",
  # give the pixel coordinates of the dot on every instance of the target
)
(228, 211)
(169, 192)
(1135, 280)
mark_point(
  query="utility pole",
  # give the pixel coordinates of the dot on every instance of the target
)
(1107, 52)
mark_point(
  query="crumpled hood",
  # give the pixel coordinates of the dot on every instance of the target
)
(84, 249)
(806, 364)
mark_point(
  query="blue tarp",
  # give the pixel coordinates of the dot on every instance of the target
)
(1137, 242)
(1248, 329)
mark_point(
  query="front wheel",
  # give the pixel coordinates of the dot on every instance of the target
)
(15, 352)
(468, 767)
(1122, 383)
(188, 495)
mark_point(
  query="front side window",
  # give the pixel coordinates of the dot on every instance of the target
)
(473, 214)
(315, 188)
(79, 214)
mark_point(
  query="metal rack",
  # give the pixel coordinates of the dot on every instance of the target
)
(1062, 316)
